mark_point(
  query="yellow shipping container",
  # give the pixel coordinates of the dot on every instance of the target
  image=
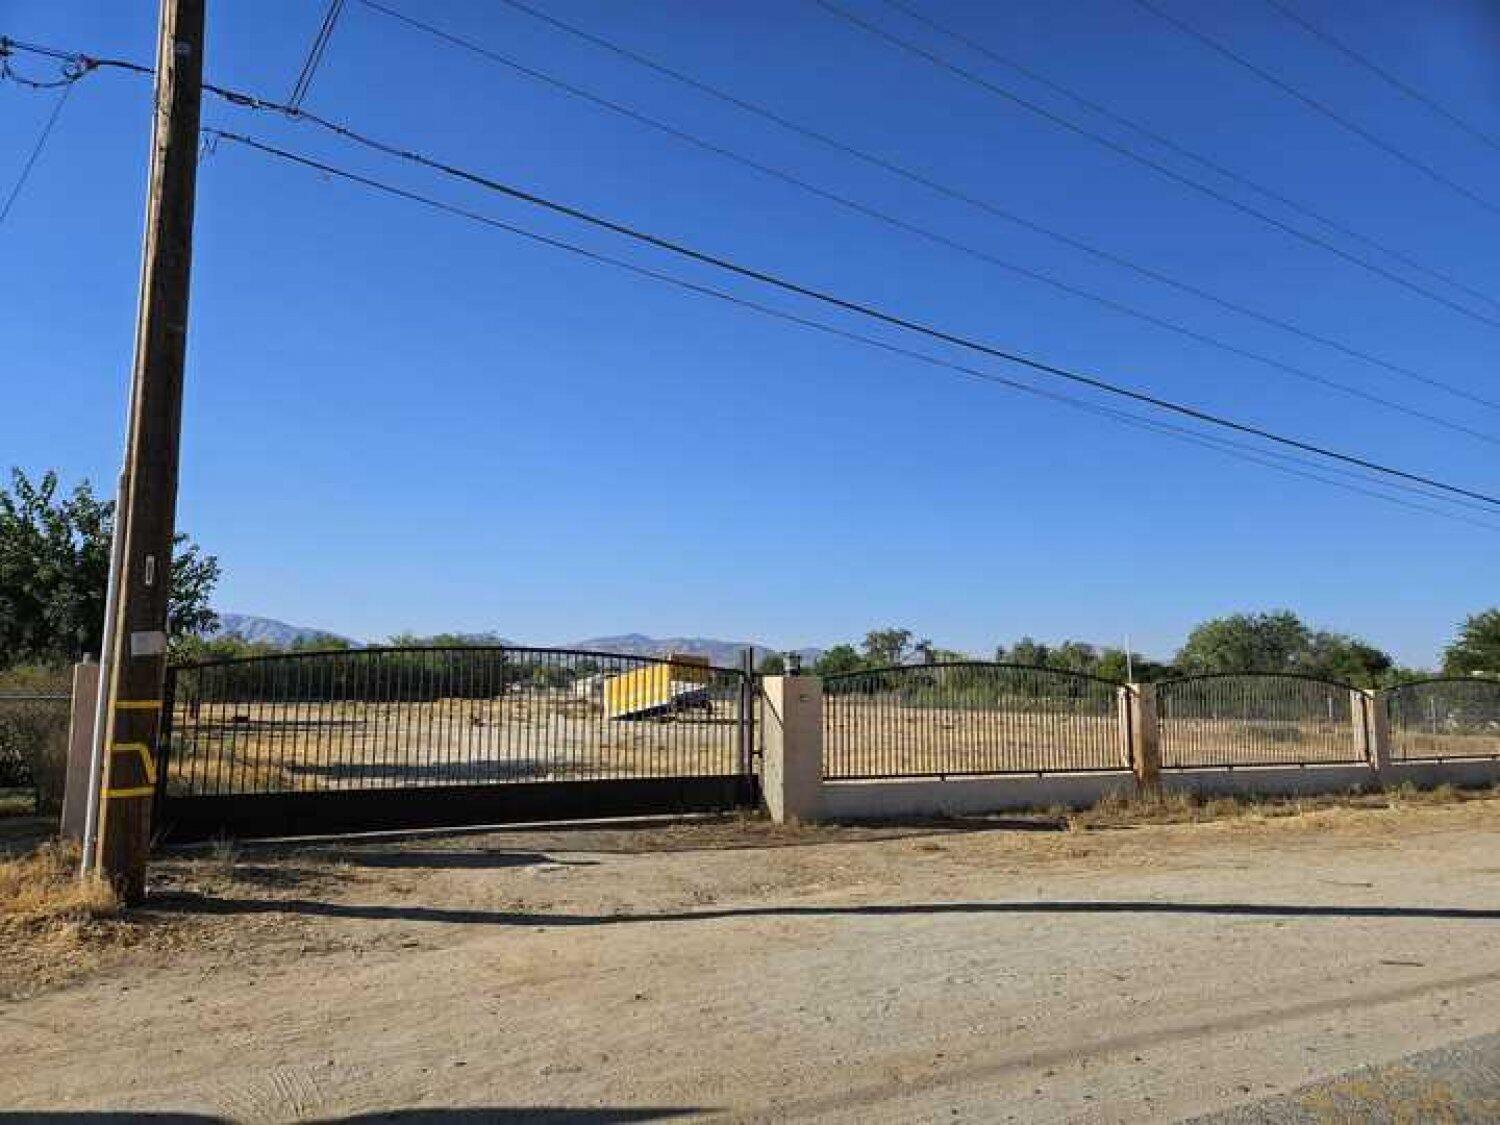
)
(657, 687)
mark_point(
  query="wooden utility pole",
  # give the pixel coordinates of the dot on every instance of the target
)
(148, 518)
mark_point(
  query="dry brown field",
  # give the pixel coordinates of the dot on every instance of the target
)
(292, 747)
(872, 737)
(1457, 744)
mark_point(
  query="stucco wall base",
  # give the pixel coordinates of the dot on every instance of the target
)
(1271, 781)
(1463, 772)
(967, 796)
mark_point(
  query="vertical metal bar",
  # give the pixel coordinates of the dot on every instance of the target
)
(747, 715)
(163, 749)
(222, 729)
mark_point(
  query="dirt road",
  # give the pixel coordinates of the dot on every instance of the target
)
(1143, 974)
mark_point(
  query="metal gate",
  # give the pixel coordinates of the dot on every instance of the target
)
(971, 718)
(390, 738)
(1232, 719)
(1444, 717)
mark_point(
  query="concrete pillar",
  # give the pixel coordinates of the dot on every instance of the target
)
(1145, 733)
(80, 749)
(792, 768)
(1373, 722)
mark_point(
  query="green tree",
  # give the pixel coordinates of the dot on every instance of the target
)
(1281, 642)
(1078, 656)
(888, 646)
(54, 571)
(229, 646)
(772, 664)
(1246, 642)
(1477, 646)
(1337, 656)
(935, 654)
(838, 660)
(444, 640)
(1113, 665)
(1075, 656)
(928, 653)
(1025, 651)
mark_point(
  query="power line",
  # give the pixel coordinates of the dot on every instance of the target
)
(315, 54)
(1182, 150)
(1385, 75)
(798, 289)
(75, 64)
(1280, 462)
(845, 304)
(928, 234)
(1319, 107)
(249, 101)
(36, 152)
(1140, 158)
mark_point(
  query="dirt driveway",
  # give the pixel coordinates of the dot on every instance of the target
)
(733, 971)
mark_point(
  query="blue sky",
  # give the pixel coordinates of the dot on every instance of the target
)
(397, 420)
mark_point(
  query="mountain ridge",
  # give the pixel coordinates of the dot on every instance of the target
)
(725, 653)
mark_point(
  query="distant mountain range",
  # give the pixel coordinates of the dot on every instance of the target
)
(267, 630)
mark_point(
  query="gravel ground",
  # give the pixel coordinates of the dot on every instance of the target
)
(1458, 1083)
(737, 972)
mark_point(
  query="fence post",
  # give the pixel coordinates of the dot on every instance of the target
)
(749, 699)
(1374, 724)
(80, 749)
(1145, 732)
(792, 740)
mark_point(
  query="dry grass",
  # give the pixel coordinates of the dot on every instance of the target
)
(17, 802)
(1477, 743)
(254, 746)
(865, 737)
(44, 888)
(265, 747)
(56, 928)
(53, 925)
(1116, 811)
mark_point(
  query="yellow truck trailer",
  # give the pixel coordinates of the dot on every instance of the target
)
(659, 689)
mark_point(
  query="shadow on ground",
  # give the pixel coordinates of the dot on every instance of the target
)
(482, 859)
(637, 836)
(500, 1115)
(192, 903)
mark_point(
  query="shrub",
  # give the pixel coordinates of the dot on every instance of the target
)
(34, 749)
(34, 734)
(44, 887)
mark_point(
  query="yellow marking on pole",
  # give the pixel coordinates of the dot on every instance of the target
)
(138, 791)
(147, 762)
(138, 705)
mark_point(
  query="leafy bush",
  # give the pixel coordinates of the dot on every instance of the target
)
(34, 748)
(54, 570)
(34, 733)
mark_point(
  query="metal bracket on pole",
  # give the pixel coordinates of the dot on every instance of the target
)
(101, 702)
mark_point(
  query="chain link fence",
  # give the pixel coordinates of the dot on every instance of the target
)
(34, 746)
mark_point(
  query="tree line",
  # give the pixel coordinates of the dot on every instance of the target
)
(54, 569)
(1275, 641)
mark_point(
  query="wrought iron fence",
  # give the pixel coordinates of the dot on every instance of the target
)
(1257, 719)
(1444, 718)
(34, 742)
(947, 720)
(399, 718)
